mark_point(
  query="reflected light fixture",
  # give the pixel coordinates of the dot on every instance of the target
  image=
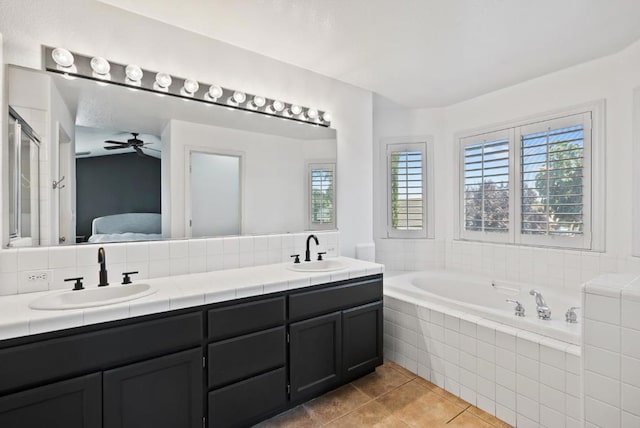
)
(100, 67)
(63, 59)
(326, 116)
(163, 81)
(190, 87)
(134, 74)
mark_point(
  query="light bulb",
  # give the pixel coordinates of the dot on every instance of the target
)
(312, 113)
(163, 80)
(134, 73)
(326, 116)
(215, 92)
(190, 86)
(278, 105)
(259, 101)
(296, 110)
(100, 66)
(62, 57)
(239, 97)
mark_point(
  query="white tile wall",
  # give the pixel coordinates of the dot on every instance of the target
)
(612, 352)
(151, 259)
(549, 267)
(522, 378)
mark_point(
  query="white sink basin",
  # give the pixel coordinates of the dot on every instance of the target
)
(92, 297)
(317, 266)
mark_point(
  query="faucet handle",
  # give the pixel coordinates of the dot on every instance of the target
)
(126, 279)
(519, 309)
(78, 285)
(320, 255)
(570, 316)
(297, 258)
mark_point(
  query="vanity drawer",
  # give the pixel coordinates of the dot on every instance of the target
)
(62, 357)
(245, 356)
(315, 302)
(248, 402)
(246, 318)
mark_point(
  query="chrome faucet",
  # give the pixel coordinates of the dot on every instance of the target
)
(102, 259)
(307, 253)
(570, 316)
(544, 313)
(519, 309)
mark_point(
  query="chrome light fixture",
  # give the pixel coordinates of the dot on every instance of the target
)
(134, 74)
(162, 83)
(276, 107)
(100, 67)
(237, 98)
(257, 102)
(214, 92)
(312, 114)
(73, 65)
(190, 87)
(62, 57)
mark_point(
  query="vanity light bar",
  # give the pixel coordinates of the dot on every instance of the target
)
(71, 64)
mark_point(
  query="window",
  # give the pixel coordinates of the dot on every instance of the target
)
(407, 193)
(321, 179)
(530, 183)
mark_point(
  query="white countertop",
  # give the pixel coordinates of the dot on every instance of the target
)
(174, 292)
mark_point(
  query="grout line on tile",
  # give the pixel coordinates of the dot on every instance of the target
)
(461, 412)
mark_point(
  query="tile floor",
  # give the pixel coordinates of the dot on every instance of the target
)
(392, 397)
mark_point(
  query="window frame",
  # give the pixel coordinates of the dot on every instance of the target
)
(593, 239)
(425, 146)
(310, 165)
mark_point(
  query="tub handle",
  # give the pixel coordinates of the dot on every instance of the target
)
(519, 309)
(570, 316)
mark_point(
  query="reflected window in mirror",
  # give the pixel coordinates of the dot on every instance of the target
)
(322, 207)
(24, 182)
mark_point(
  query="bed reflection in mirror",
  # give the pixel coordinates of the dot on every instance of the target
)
(132, 165)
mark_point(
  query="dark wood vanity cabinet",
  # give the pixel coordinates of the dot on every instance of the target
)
(73, 403)
(230, 364)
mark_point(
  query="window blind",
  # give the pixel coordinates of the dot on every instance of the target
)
(552, 176)
(407, 190)
(322, 180)
(486, 186)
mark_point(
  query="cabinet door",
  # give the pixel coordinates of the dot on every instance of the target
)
(75, 403)
(164, 392)
(315, 355)
(362, 339)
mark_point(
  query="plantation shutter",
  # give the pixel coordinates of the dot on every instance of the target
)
(553, 183)
(322, 196)
(407, 195)
(486, 185)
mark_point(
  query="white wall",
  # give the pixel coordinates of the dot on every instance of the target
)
(96, 28)
(611, 78)
(273, 174)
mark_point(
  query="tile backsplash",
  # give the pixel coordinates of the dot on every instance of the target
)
(26, 270)
(550, 267)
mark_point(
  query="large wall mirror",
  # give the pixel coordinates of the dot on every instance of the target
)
(92, 162)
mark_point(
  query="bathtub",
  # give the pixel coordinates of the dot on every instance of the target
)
(486, 298)
(457, 331)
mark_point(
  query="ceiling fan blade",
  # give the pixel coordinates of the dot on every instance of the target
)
(139, 152)
(116, 142)
(114, 147)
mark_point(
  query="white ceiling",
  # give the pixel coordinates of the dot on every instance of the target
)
(419, 53)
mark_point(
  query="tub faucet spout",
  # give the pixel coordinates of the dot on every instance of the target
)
(544, 313)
